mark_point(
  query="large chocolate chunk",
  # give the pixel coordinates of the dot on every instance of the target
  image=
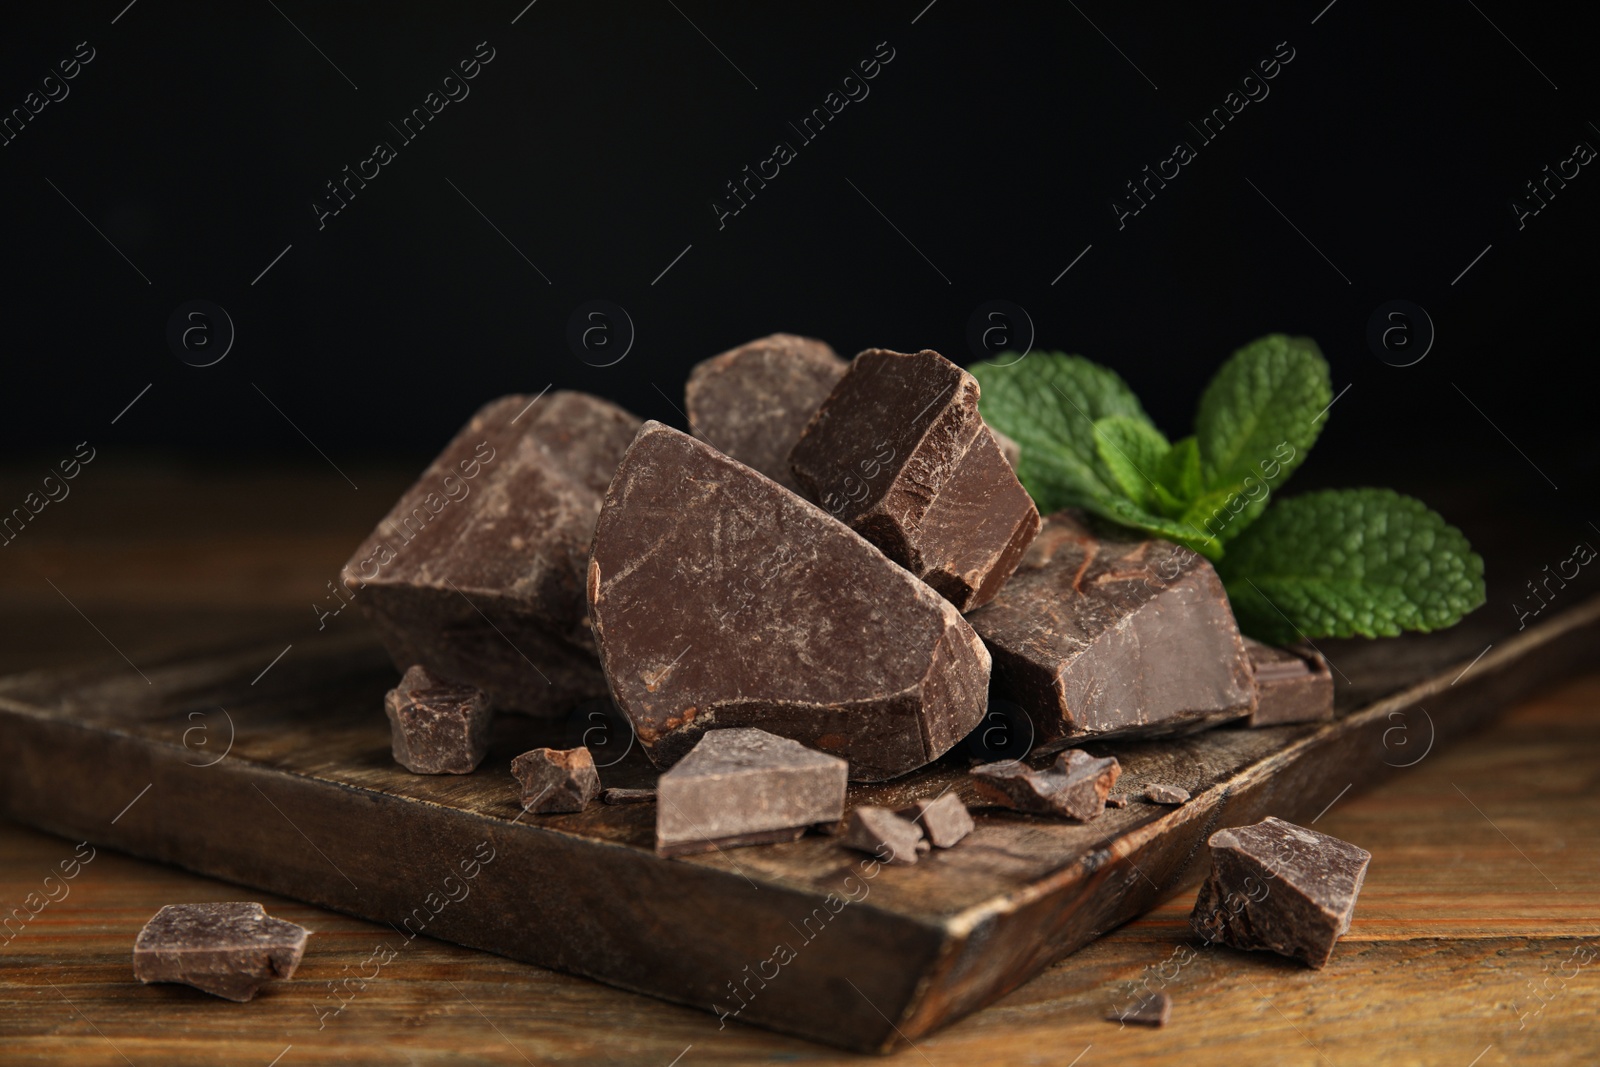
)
(745, 787)
(1075, 786)
(437, 726)
(477, 572)
(1280, 887)
(752, 402)
(899, 453)
(556, 779)
(720, 598)
(1291, 685)
(891, 838)
(228, 950)
(1095, 636)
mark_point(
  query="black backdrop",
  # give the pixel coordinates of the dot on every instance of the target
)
(982, 161)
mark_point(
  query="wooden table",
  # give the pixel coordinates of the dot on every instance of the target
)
(1476, 942)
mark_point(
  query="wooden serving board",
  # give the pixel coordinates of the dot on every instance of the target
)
(804, 937)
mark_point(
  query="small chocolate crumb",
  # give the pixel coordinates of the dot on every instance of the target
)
(556, 779)
(944, 819)
(437, 726)
(628, 796)
(226, 949)
(877, 830)
(1117, 800)
(1153, 1010)
(1162, 793)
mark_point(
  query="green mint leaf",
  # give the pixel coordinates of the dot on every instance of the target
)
(1260, 416)
(1179, 472)
(1048, 403)
(1127, 513)
(1131, 451)
(1347, 562)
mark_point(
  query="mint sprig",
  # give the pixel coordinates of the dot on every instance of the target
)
(1336, 563)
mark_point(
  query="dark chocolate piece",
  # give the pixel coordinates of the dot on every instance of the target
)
(752, 402)
(1094, 636)
(720, 598)
(437, 726)
(1162, 793)
(226, 949)
(1280, 887)
(616, 795)
(1292, 685)
(1075, 786)
(886, 835)
(745, 787)
(1008, 448)
(944, 819)
(1153, 1010)
(899, 453)
(556, 779)
(1117, 800)
(477, 571)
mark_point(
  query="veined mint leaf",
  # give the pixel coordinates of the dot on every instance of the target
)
(1346, 562)
(1131, 451)
(1184, 533)
(1179, 472)
(1048, 404)
(1261, 414)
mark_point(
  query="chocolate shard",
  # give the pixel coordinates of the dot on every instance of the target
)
(1100, 637)
(1153, 1010)
(1280, 887)
(752, 402)
(1162, 793)
(899, 453)
(886, 835)
(1075, 786)
(477, 571)
(616, 795)
(1117, 800)
(719, 599)
(556, 779)
(437, 726)
(1292, 685)
(944, 819)
(745, 787)
(1008, 448)
(226, 949)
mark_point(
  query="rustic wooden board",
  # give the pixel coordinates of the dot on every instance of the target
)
(308, 804)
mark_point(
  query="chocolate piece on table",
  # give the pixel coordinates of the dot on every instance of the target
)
(556, 779)
(719, 599)
(899, 453)
(1161, 793)
(616, 795)
(745, 787)
(1292, 685)
(751, 403)
(944, 819)
(1101, 637)
(1280, 887)
(226, 949)
(1153, 1010)
(437, 726)
(887, 836)
(1117, 800)
(1075, 786)
(477, 571)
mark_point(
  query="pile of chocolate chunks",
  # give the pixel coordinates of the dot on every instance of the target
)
(839, 555)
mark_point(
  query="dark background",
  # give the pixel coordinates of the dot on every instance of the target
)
(199, 136)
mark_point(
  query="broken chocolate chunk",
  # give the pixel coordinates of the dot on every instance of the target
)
(617, 795)
(1153, 1010)
(884, 834)
(1280, 887)
(899, 453)
(477, 571)
(745, 787)
(719, 599)
(1075, 786)
(1117, 800)
(944, 819)
(556, 779)
(1161, 793)
(437, 726)
(1292, 685)
(752, 402)
(1096, 636)
(1008, 448)
(226, 949)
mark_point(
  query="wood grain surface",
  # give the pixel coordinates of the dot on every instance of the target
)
(1481, 901)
